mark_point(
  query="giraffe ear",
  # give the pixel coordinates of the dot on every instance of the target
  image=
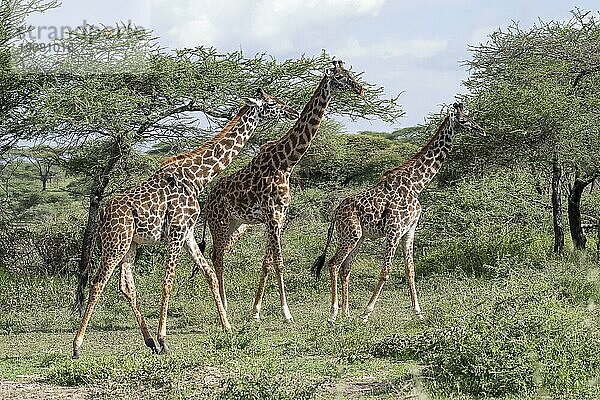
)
(251, 102)
(260, 92)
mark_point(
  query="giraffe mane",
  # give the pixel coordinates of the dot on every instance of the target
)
(418, 155)
(208, 144)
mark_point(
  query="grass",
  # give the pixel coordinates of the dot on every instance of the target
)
(391, 356)
(299, 360)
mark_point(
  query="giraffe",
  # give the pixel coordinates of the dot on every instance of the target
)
(260, 192)
(388, 209)
(165, 208)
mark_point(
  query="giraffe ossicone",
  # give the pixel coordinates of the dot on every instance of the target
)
(260, 192)
(389, 209)
(165, 208)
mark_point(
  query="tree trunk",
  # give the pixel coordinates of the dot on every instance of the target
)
(574, 212)
(96, 196)
(559, 232)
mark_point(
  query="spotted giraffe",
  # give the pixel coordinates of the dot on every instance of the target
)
(165, 208)
(389, 209)
(260, 192)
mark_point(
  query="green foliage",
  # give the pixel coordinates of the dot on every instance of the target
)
(524, 339)
(536, 92)
(473, 225)
(345, 159)
(267, 386)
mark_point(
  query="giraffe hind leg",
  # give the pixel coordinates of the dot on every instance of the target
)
(127, 286)
(223, 241)
(345, 279)
(345, 248)
(211, 279)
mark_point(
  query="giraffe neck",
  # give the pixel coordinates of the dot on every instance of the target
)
(290, 148)
(424, 165)
(198, 167)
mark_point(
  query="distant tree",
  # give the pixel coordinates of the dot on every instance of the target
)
(537, 92)
(43, 158)
(347, 159)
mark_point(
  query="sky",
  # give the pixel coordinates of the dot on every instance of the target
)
(415, 48)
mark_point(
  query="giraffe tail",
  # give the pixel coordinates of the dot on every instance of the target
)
(320, 261)
(201, 245)
(84, 276)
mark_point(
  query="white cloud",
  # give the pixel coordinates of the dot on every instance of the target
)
(389, 48)
(273, 18)
(194, 32)
(279, 26)
(480, 35)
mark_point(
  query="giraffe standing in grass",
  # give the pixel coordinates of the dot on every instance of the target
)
(260, 193)
(165, 208)
(389, 209)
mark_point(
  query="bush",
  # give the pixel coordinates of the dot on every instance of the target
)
(50, 248)
(485, 253)
(526, 342)
(264, 385)
(473, 225)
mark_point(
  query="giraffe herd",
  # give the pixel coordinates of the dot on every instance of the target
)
(165, 208)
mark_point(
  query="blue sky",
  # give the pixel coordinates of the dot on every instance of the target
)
(414, 46)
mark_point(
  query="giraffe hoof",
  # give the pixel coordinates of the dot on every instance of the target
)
(289, 320)
(76, 354)
(152, 344)
(331, 322)
(164, 349)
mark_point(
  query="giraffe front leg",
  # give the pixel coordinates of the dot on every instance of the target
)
(274, 228)
(390, 251)
(211, 279)
(173, 252)
(410, 271)
(260, 292)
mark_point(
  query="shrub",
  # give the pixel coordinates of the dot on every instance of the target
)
(526, 343)
(264, 385)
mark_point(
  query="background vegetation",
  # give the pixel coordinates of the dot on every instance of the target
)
(510, 301)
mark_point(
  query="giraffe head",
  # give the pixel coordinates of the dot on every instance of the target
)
(342, 79)
(271, 108)
(459, 117)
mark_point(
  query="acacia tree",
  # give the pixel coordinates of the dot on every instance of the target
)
(537, 92)
(18, 88)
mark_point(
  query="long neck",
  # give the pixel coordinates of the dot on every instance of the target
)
(424, 165)
(201, 165)
(288, 150)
